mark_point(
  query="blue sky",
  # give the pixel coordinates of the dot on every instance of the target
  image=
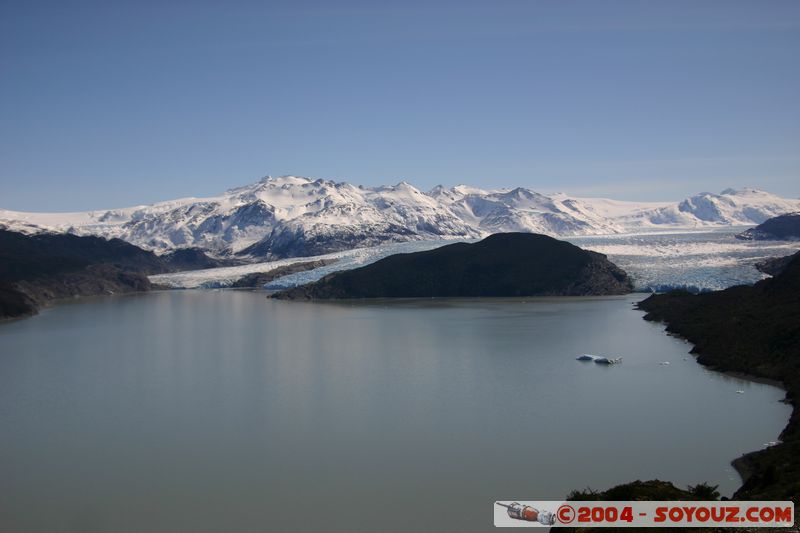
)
(108, 104)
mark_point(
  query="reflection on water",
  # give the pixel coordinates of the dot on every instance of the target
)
(225, 411)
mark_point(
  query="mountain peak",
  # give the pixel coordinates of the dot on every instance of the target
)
(744, 191)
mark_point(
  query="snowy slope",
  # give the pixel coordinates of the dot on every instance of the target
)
(523, 210)
(276, 217)
(730, 207)
(294, 216)
(343, 260)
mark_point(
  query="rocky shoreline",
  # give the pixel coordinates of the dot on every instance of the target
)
(712, 323)
(751, 332)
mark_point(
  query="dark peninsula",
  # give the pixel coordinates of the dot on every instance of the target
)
(781, 228)
(501, 265)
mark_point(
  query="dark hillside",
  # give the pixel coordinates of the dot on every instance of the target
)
(36, 269)
(504, 264)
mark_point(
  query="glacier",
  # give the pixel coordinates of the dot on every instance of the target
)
(656, 261)
(697, 261)
(222, 277)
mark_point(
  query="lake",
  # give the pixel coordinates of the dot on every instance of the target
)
(225, 411)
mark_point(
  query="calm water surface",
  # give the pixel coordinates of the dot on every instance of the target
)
(224, 411)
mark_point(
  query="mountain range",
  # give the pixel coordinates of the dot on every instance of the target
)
(294, 216)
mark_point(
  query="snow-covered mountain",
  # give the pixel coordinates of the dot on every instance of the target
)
(295, 216)
(730, 207)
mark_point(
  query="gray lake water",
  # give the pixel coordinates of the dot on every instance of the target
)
(225, 411)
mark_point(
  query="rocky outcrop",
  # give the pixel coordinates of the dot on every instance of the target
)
(504, 264)
(775, 265)
(15, 303)
(780, 228)
(194, 259)
(295, 240)
(259, 279)
(652, 490)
